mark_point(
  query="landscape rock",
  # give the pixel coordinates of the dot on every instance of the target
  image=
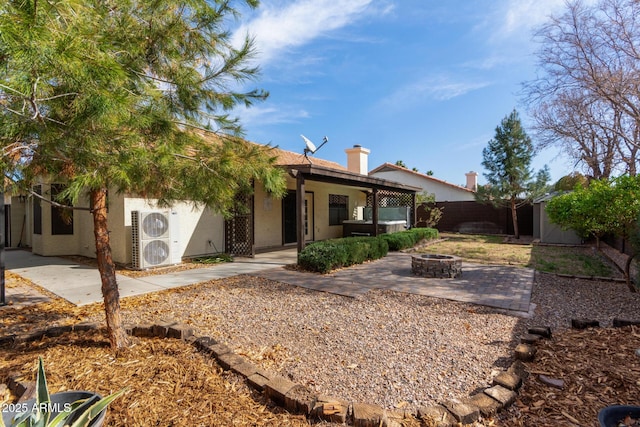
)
(487, 405)
(393, 419)
(508, 380)
(530, 338)
(463, 412)
(365, 415)
(584, 323)
(620, 323)
(436, 416)
(57, 331)
(277, 388)
(330, 409)
(299, 400)
(553, 382)
(543, 331)
(85, 326)
(245, 368)
(228, 361)
(142, 331)
(503, 395)
(258, 380)
(525, 352)
(179, 331)
(518, 368)
(160, 330)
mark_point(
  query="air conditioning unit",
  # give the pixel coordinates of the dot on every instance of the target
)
(154, 239)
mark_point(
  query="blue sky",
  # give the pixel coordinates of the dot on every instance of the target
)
(421, 81)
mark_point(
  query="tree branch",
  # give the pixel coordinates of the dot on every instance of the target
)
(56, 204)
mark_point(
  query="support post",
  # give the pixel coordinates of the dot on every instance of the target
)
(414, 211)
(300, 211)
(374, 212)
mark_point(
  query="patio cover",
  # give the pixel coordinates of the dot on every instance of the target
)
(312, 172)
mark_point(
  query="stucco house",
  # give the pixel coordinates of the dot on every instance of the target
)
(444, 191)
(321, 196)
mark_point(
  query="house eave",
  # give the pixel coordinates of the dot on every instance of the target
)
(324, 174)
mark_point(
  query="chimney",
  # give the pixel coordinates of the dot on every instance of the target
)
(472, 180)
(357, 159)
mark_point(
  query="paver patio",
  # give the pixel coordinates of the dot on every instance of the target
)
(503, 287)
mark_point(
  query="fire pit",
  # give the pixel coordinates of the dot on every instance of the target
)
(435, 265)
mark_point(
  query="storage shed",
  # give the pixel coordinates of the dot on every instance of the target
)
(547, 231)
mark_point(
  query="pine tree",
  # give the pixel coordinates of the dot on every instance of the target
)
(127, 96)
(507, 159)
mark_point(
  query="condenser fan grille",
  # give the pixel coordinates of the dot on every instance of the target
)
(155, 252)
(154, 239)
(155, 225)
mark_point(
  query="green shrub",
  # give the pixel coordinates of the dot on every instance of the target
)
(331, 254)
(323, 256)
(336, 253)
(361, 249)
(409, 238)
(398, 241)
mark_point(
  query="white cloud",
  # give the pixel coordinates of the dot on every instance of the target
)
(278, 28)
(508, 29)
(263, 116)
(526, 14)
(445, 90)
(440, 88)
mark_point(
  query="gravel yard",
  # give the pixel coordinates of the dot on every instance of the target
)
(385, 348)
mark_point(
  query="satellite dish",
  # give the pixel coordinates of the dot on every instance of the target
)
(310, 147)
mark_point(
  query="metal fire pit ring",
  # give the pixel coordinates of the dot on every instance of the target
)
(436, 265)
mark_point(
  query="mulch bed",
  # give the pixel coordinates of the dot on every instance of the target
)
(598, 368)
(169, 382)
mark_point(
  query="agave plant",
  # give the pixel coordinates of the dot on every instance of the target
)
(44, 413)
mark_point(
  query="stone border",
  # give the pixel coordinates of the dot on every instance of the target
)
(298, 399)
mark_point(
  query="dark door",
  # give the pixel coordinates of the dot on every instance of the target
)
(289, 217)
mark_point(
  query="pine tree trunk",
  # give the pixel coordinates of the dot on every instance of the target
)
(514, 216)
(117, 333)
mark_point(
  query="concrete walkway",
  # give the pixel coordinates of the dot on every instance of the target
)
(502, 287)
(80, 284)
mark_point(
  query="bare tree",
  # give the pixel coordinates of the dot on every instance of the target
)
(571, 123)
(586, 98)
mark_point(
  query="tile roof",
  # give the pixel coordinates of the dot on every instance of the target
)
(285, 157)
